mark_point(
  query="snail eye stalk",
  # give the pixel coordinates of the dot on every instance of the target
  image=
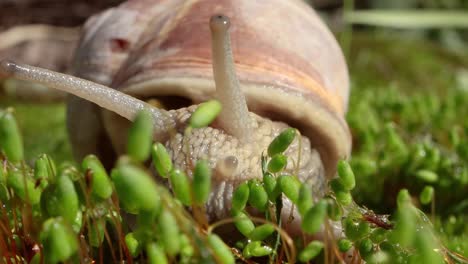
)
(108, 98)
(234, 117)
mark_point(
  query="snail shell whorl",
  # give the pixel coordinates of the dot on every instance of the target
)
(289, 64)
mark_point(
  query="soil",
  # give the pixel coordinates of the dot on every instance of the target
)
(53, 12)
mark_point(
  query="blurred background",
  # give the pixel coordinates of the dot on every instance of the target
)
(365, 29)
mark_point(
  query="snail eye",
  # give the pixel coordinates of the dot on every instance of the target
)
(227, 166)
(219, 23)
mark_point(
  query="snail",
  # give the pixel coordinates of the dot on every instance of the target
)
(283, 69)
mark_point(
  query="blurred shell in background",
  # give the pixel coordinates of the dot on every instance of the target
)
(41, 33)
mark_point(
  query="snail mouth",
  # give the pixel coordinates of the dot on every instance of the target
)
(168, 102)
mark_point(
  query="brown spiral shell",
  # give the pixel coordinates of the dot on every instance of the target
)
(289, 64)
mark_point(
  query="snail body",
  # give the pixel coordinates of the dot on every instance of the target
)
(290, 73)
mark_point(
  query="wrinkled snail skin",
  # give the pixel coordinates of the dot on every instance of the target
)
(289, 67)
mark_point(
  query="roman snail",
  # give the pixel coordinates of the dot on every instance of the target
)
(283, 69)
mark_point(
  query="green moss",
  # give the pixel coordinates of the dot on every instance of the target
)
(416, 89)
(387, 58)
(43, 129)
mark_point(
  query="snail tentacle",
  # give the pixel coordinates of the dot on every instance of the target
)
(108, 98)
(234, 117)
